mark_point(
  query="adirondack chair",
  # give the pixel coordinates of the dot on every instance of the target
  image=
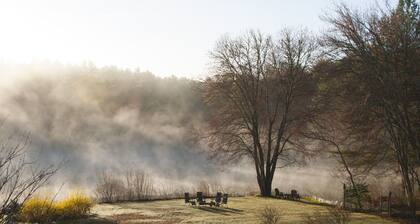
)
(294, 195)
(277, 193)
(200, 198)
(188, 200)
(225, 199)
(281, 195)
(218, 199)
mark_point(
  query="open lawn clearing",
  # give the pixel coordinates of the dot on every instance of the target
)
(239, 210)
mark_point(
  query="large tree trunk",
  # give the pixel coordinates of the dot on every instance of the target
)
(265, 183)
(411, 202)
(408, 185)
(412, 207)
(265, 187)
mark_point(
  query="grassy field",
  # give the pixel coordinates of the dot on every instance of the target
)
(239, 210)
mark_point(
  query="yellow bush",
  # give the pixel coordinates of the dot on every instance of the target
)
(46, 210)
(75, 206)
(39, 210)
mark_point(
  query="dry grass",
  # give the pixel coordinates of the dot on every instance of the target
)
(239, 210)
(77, 205)
(38, 210)
(46, 210)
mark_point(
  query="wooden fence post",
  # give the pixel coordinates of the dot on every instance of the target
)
(389, 203)
(344, 196)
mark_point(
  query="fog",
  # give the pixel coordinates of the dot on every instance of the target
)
(92, 119)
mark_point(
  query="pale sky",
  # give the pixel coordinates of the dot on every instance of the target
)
(166, 37)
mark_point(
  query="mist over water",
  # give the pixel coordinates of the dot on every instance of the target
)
(97, 119)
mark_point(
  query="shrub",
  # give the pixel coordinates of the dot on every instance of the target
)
(334, 215)
(46, 210)
(38, 210)
(109, 188)
(77, 205)
(133, 186)
(358, 193)
(270, 215)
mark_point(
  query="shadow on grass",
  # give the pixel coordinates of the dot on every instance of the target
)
(303, 201)
(220, 210)
(313, 203)
(93, 219)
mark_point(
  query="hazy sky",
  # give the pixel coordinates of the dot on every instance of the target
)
(166, 37)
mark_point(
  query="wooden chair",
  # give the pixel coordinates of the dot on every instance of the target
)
(294, 195)
(218, 199)
(200, 198)
(277, 193)
(225, 199)
(188, 200)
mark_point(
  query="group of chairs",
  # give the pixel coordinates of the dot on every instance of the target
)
(292, 196)
(219, 199)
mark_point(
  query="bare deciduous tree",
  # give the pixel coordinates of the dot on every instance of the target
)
(204, 186)
(139, 185)
(378, 55)
(109, 188)
(331, 128)
(335, 142)
(261, 96)
(19, 177)
(135, 185)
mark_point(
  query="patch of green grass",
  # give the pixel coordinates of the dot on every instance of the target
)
(311, 199)
(239, 210)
